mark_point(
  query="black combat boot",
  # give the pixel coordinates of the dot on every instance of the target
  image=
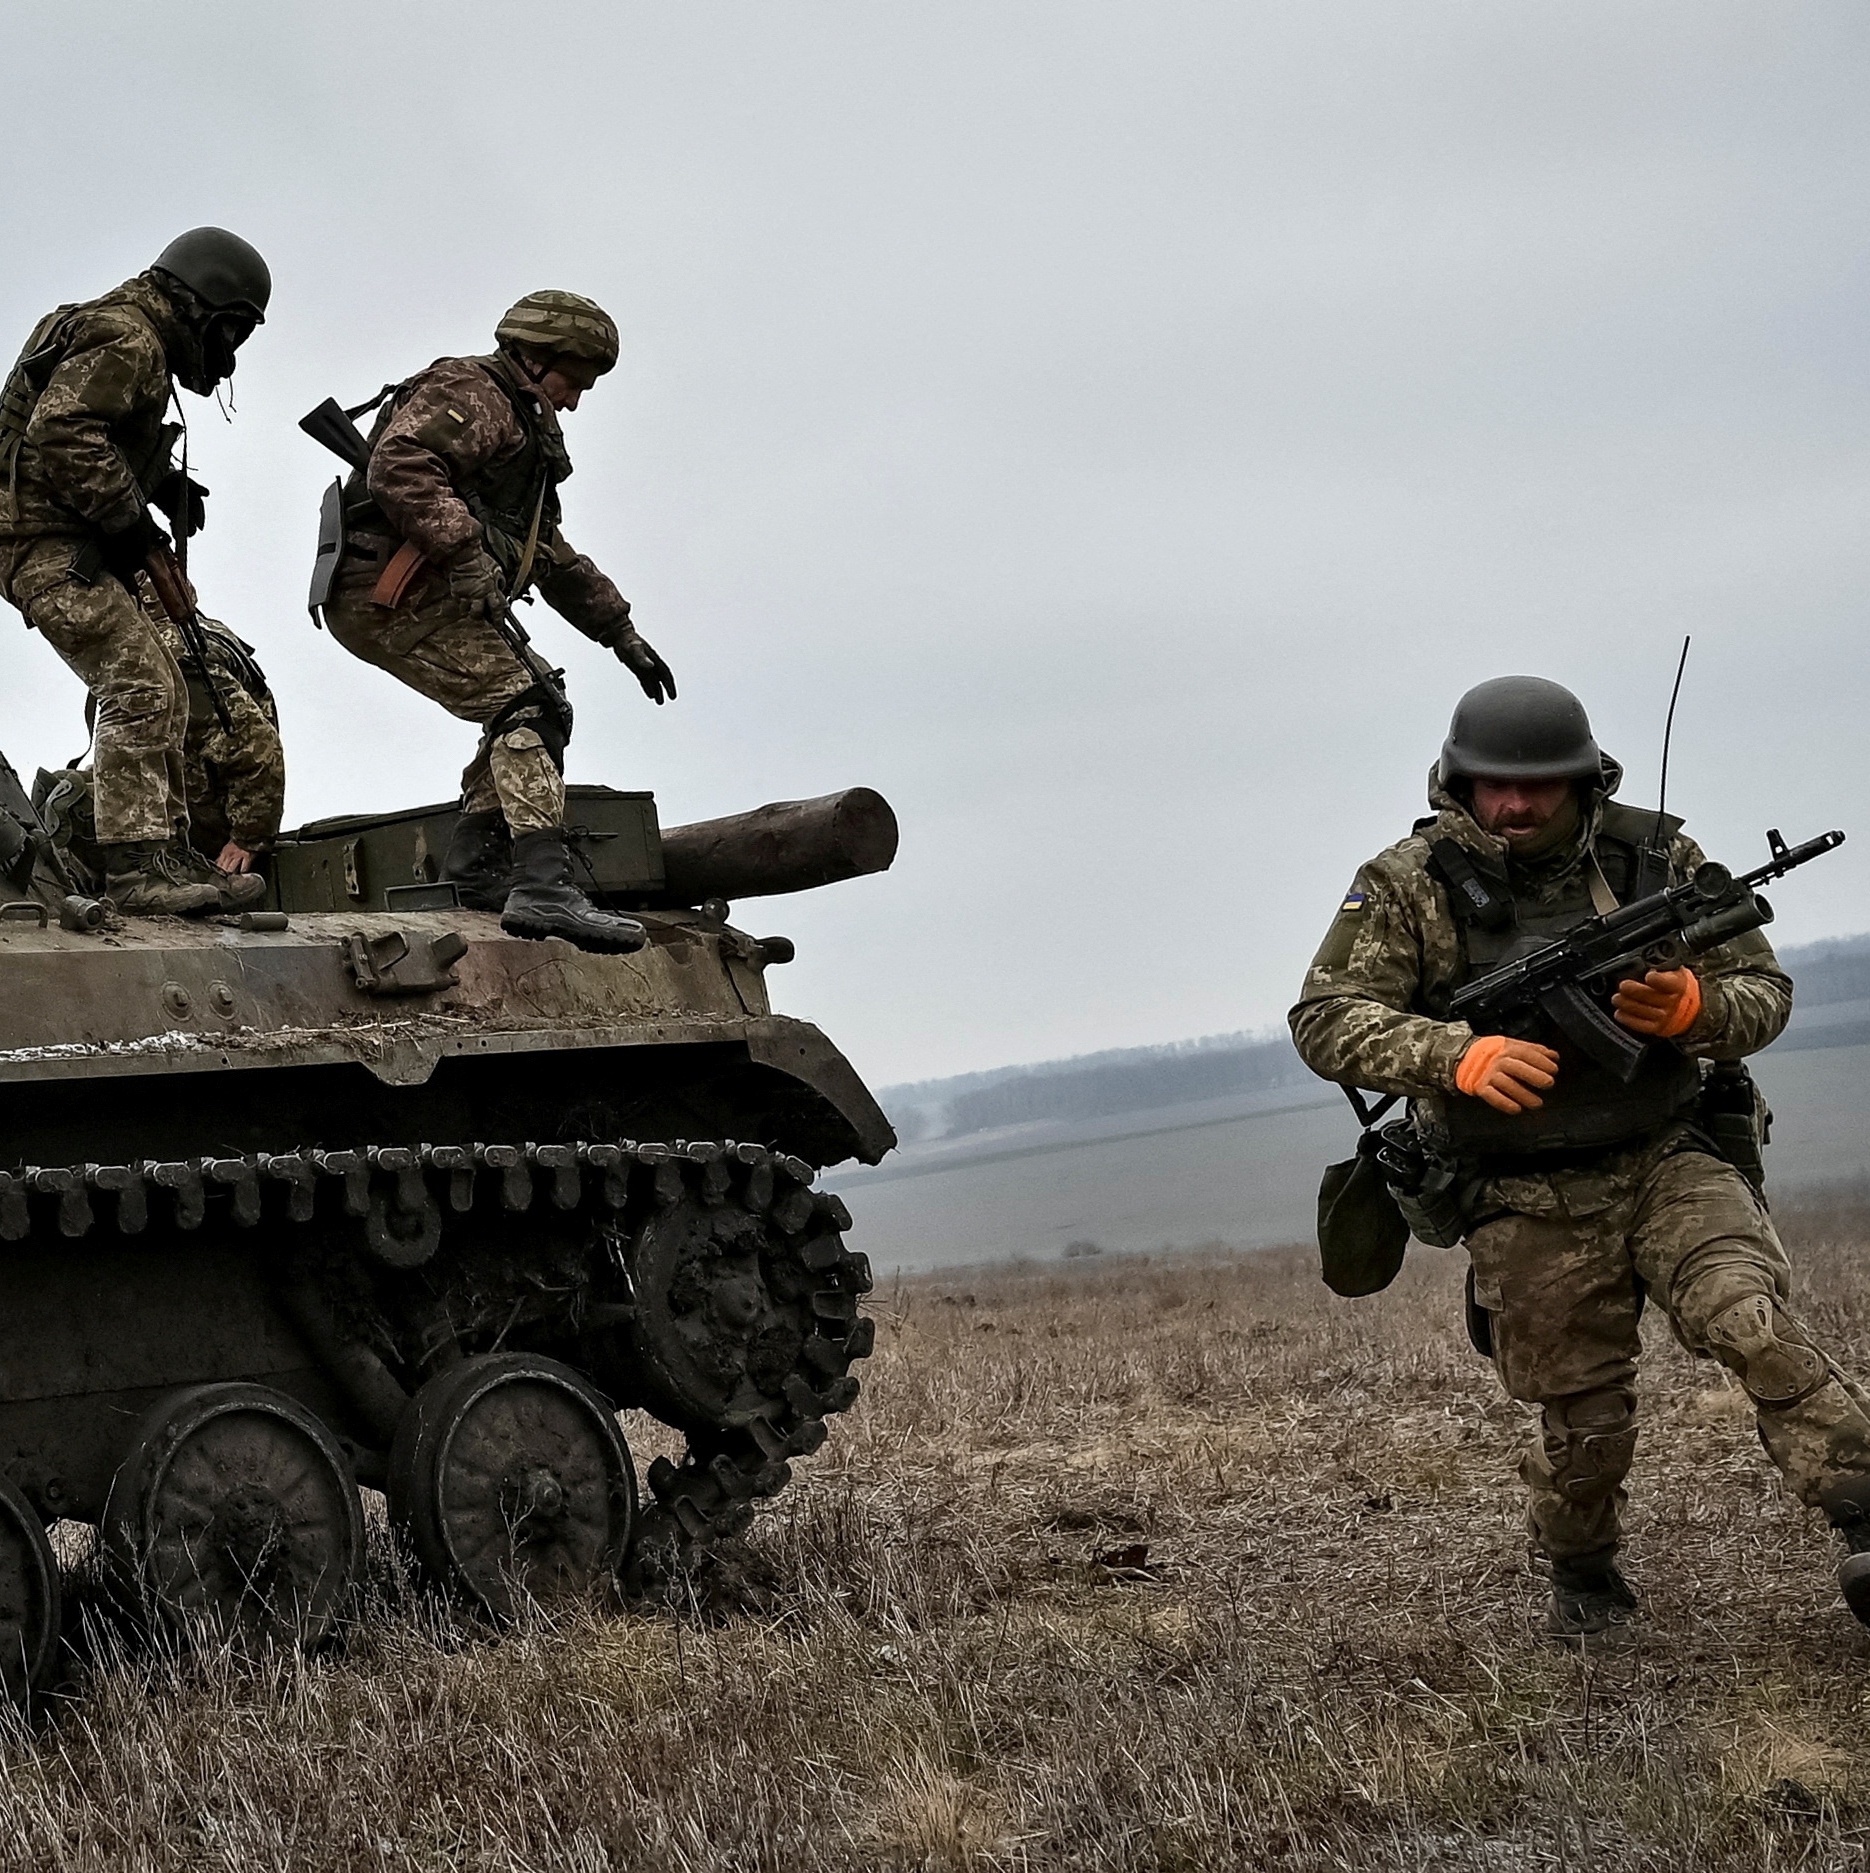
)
(145, 878)
(1589, 1597)
(1846, 1501)
(479, 861)
(545, 903)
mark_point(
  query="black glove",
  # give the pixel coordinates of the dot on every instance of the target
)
(185, 501)
(474, 580)
(636, 656)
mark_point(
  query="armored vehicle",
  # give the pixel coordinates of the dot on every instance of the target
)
(359, 1190)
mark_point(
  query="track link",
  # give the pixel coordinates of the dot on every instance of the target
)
(394, 1202)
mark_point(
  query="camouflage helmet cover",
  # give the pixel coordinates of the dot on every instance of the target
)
(1520, 728)
(224, 272)
(562, 325)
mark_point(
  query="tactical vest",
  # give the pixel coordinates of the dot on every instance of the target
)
(150, 456)
(514, 499)
(1589, 1108)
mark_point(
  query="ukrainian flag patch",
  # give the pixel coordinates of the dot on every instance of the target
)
(1353, 901)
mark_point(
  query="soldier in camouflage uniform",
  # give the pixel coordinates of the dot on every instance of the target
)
(85, 453)
(233, 778)
(465, 465)
(1583, 1196)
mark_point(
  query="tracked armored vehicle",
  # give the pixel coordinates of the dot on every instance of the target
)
(359, 1190)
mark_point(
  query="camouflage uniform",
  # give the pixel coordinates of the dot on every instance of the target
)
(1565, 1251)
(234, 778)
(467, 453)
(95, 449)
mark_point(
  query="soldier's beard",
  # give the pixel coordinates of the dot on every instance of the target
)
(1524, 839)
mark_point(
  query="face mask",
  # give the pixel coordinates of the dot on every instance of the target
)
(221, 337)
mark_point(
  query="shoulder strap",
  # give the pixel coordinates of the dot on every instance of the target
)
(1473, 898)
(1368, 1111)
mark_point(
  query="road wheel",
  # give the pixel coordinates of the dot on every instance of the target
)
(513, 1482)
(235, 1505)
(29, 1597)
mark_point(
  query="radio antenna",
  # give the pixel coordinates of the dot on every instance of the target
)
(1668, 735)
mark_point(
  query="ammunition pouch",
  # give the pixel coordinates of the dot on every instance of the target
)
(1427, 1185)
(1734, 1117)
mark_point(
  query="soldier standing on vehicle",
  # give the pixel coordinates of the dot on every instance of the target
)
(85, 453)
(465, 463)
(1581, 1195)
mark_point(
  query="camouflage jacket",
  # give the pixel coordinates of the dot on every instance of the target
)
(1372, 1012)
(96, 444)
(449, 426)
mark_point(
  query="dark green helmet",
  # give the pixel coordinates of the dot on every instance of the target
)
(224, 272)
(1520, 728)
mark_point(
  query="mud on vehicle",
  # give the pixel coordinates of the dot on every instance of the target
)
(359, 1190)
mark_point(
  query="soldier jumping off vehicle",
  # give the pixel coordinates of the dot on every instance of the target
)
(454, 518)
(85, 453)
(1581, 1194)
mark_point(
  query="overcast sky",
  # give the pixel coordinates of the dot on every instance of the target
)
(1117, 432)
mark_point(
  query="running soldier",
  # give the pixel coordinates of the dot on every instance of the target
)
(1582, 1193)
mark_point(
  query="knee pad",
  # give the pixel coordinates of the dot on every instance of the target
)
(1589, 1440)
(533, 709)
(1768, 1350)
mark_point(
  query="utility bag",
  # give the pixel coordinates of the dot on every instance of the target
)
(1362, 1235)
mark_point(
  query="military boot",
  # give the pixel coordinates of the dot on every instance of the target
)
(1590, 1597)
(1846, 1501)
(479, 861)
(545, 903)
(236, 890)
(146, 878)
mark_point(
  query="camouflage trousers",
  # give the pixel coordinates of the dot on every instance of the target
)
(124, 660)
(455, 658)
(233, 778)
(1563, 1274)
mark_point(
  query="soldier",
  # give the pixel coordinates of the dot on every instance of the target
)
(465, 464)
(1582, 1195)
(233, 777)
(85, 453)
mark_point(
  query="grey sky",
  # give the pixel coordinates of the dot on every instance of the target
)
(1117, 432)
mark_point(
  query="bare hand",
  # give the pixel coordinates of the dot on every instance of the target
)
(235, 858)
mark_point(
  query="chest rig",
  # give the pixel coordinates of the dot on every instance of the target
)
(1589, 1108)
(514, 497)
(143, 439)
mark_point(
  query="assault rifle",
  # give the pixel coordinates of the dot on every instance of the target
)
(169, 581)
(333, 425)
(1561, 978)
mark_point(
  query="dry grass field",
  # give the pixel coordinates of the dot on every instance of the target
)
(1162, 1564)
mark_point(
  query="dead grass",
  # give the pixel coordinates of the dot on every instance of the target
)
(943, 1649)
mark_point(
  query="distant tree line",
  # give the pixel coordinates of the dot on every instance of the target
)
(1140, 1079)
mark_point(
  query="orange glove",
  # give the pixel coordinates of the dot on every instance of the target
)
(1510, 1075)
(1662, 1005)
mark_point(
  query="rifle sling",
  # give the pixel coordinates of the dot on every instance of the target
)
(1473, 899)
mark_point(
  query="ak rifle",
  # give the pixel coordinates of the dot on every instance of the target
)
(1562, 979)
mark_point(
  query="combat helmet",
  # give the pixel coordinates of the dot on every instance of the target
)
(1520, 728)
(562, 325)
(224, 272)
